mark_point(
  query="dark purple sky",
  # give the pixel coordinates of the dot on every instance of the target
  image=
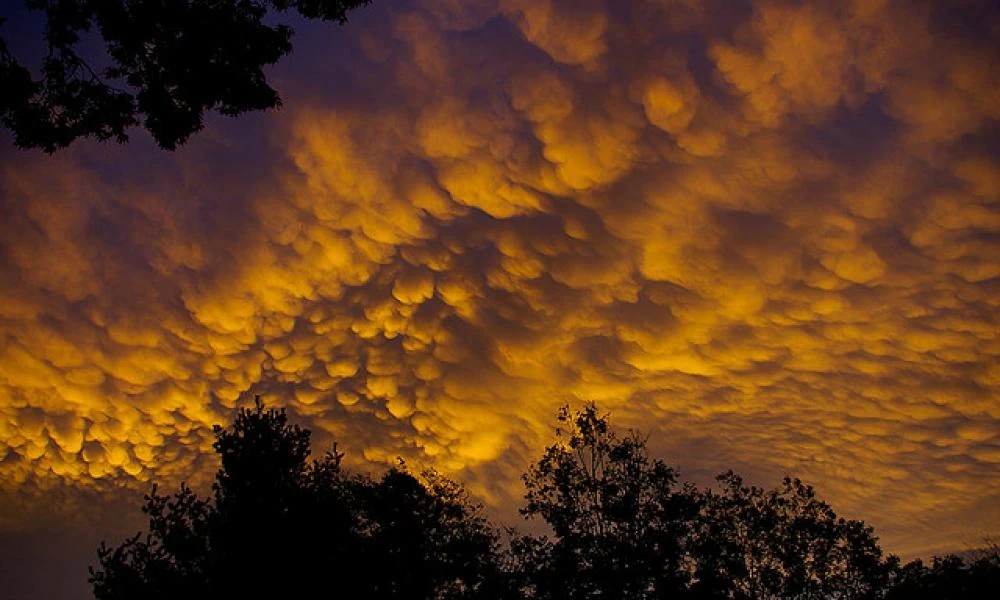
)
(764, 232)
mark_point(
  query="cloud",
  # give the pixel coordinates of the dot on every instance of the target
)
(768, 233)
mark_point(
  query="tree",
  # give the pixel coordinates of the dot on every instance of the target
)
(620, 522)
(440, 544)
(170, 561)
(262, 533)
(783, 543)
(265, 511)
(167, 62)
(279, 525)
(950, 577)
(623, 527)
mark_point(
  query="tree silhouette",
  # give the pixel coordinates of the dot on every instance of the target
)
(279, 525)
(440, 544)
(950, 577)
(620, 522)
(623, 528)
(167, 62)
(783, 543)
(264, 510)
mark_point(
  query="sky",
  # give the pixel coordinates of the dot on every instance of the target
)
(765, 233)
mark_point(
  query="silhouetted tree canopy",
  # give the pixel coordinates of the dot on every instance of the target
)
(783, 543)
(621, 525)
(950, 577)
(432, 542)
(166, 63)
(281, 525)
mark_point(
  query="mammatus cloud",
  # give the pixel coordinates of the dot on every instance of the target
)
(769, 233)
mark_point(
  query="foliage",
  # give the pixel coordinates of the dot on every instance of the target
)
(170, 561)
(621, 526)
(950, 577)
(279, 525)
(620, 523)
(441, 544)
(168, 61)
(783, 543)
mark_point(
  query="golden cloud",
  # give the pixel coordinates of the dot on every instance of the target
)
(768, 233)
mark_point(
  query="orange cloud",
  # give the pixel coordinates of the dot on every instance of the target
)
(768, 234)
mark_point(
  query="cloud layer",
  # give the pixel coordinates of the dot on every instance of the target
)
(768, 233)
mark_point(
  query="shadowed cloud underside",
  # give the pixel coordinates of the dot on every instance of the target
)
(768, 233)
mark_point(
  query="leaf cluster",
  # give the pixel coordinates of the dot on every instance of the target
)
(281, 525)
(620, 524)
(165, 63)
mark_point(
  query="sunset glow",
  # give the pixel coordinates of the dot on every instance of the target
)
(766, 233)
